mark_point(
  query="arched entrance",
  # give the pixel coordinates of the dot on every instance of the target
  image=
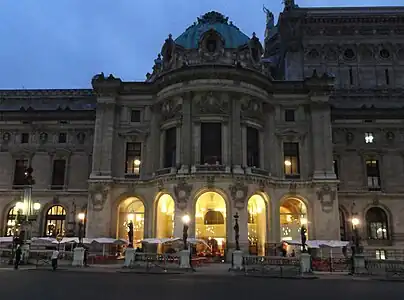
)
(210, 221)
(257, 224)
(293, 214)
(55, 221)
(131, 209)
(165, 217)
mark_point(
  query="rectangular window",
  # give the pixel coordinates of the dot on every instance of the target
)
(62, 138)
(350, 77)
(19, 171)
(170, 148)
(335, 168)
(291, 160)
(386, 76)
(133, 158)
(135, 116)
(289, 115)
(253, 157)
(58, 174)
(24, 138)
(381, 254)
(211, 143)
(373, 174)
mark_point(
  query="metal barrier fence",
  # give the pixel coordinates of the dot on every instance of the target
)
(272, 265)
(384, 268)
(154, 261)
(332, 264)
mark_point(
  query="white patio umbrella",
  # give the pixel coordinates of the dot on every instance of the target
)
(108, 241)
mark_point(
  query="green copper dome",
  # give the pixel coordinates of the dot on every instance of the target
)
(231, 35)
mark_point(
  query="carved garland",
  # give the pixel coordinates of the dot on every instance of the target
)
(182, 192)
(98, 193)
(238, 192)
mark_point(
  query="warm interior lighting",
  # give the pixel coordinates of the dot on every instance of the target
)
(19, 205)
(131, 217)
(186, 219)
(136, 162)
(81, 216)
(355, 221)
(303, 221)
(288, 163)
(37, 206)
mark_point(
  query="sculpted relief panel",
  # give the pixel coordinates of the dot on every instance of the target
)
(211, 103)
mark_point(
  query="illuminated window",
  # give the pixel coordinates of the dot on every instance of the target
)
(131, 210)
(377, 224)
(293, 214)
(291, 160)
(373, 174)
(369, 138)
(381, 254)
(55, 223)
(133, 158)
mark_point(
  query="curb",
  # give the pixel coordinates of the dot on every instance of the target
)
(284, 277)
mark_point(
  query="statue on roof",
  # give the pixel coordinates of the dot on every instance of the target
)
(289, 4)
(256, 49)
(270, 23)
(168, 52)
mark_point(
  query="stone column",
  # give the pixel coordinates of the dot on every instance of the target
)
(225, 144)
(153, 143)
(322, 141)
(197, 143)
(261, 149)
(186, 134)
(103, 138)
(272, 149)
(236, 138)
(161, 150)
(178, 146)
(244, 145)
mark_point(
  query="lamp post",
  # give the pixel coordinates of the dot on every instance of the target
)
(81, 217)
(356, 247)
(303, 231)
(185, 220)
(236, 231)
(131, 217)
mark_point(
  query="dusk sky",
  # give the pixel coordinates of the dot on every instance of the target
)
(63, 43)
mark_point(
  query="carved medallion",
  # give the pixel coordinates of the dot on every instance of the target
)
(182, 191)
(212, 103)
(238, 192)
(98, 194)
(327, 196)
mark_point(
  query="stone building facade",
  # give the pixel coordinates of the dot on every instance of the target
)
(304, 128)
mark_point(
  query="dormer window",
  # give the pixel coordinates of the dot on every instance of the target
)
(211, 45)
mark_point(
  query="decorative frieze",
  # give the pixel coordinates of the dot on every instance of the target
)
(182, 192)
(327, 195)
(98, 193)
(239, 192)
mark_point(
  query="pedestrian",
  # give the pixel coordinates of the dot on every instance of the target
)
(18, 254)
(54, 259)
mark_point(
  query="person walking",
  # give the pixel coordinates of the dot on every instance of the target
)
(18, 254)
(54, 259)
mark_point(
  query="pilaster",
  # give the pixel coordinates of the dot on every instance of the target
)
(236, 140)
(186, 133)
(197, 142)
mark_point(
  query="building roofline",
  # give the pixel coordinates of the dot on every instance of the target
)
(46, 92)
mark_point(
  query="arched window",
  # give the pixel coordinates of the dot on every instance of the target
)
(342, 225)
(11, 221)
(213, 217)
(55, 221)
(377, 224)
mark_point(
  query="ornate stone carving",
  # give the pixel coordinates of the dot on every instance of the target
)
(98, 193)
(81, 137)
(6, 137)
(375, 200)
(390, 136)
(326, 195)
(43, 137)
(171, 108)
(210, 182)
(160, 185)
(349, 137)
(182, 191)
(211, 103)
(251, 107)
(238, 192)
(168, 52)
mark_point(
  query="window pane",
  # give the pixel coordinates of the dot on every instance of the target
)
(133, 158)
(170, 147)
(211, 143)
(58, 176)
(253, 147)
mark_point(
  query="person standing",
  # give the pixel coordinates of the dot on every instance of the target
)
(18, 254)
(54, 259)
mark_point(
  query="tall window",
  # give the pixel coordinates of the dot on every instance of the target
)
(211, 143)
(253, 159)
(58, 174)
(342, 225)
(289, 115)
(386, 76)
(24, 138)
(55, 221)
(133, 158)
(135, 116)
(350, 76)
(373, 174)
(291, 160)
(19, 171)
(62, 139)
(335, 168)
(11, 222)
(377, 224)
(170, 147)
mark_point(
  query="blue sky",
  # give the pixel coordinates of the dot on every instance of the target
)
(63, 43)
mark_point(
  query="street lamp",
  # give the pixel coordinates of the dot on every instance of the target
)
(185, 220)
(356, 248)
(81, 217)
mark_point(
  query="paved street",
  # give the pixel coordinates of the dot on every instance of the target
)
(43, 285)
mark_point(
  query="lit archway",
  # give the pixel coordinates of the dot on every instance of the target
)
(210, 221)
(257, 224)
(293, 214)
(11, 221)
(55, 223)
(131, 209)
(165, 217)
